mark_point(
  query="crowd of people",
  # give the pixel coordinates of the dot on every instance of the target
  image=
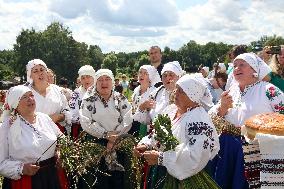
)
(207, 111)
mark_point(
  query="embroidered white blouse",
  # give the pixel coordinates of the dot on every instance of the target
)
(198, 143)
(98, 116)
(75, 103)
(53, 102)
(29, 146)
(162, 99)
(260, 97)
(138, 99)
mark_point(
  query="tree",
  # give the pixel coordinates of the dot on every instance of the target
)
(110, 62)
(95, 56)
(169, 55)
(143, 60)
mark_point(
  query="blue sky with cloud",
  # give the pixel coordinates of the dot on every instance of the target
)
(127, 25)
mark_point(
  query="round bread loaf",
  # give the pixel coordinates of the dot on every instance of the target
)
(269, 123)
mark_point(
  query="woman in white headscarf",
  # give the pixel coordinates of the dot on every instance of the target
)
(192, 127)
(162, 96)
(49, 98)
(148, 76)
(104, 115)
(25, 136)
(87, 77)
(247, 97)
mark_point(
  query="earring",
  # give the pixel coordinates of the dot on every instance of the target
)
(255, 75)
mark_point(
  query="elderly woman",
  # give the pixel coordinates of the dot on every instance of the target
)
(248, 96)
(162, 96)
(48, 97)
(28, 142)
(86, 75)
(192, 127)
(148, 76)
(105, 114)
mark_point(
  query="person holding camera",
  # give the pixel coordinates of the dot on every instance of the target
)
(276, 77)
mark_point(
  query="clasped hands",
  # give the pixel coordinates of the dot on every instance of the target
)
(151, 156)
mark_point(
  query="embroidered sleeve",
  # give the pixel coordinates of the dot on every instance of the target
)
(126, 116)
(74, 104)
(88, 124)
(276, 98)
(191, 157)
(8, 167)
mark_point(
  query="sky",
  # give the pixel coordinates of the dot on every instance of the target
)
(135, 25)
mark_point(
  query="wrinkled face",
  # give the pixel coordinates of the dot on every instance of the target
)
(169, 80)
(155, 55)
(39, 74)
(280, 57)
(243, 72)
(143, 77)
(104, 85)
(87, 81)
(26, 104)
(181, 99)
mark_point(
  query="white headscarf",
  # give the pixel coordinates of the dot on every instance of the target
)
(106, 72)
(195, 87)
(30, 66)
(259, 66)
(173, 67)
(12, 100)
(87, 70)
(153, 74)
(206, 69)
(222, 67)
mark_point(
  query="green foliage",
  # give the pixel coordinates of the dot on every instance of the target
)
(163, 131)
(95, 56)
(62, 53)
(143, 60)
(110, 62)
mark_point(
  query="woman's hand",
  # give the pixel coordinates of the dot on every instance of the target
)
(30, 169)
(109, 145)
(112, 136)
(57, 117)
(139, 150)
(226, 103)
(151, 157)
(148, 104)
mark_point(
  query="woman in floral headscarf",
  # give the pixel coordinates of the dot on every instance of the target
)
(248, 96)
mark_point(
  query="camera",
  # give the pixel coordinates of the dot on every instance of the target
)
(274, 50)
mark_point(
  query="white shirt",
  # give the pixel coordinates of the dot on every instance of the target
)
(260, 97)
(53, 102)
(198, 142)
(162, 100)
(29, 146)
(98, 116)
(138, 99)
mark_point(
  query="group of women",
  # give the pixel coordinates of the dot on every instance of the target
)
(37, 114)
